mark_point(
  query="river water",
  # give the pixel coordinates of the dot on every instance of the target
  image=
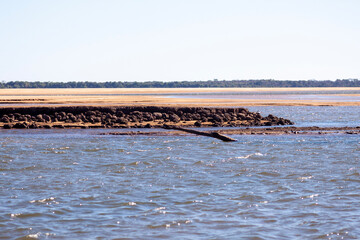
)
(77, 184)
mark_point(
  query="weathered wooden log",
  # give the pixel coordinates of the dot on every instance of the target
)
(211, 134)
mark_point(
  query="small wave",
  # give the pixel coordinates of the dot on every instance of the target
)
(270, 174)
(343, 234)
(88, 198)
(250, 155)
(287, 199)
(160, 210)
(356, 174)
(200, 162)
(47, 201)
(54, 152)
(310, 196)
(95, 149)
(352, 179)
(171, 141)
(13, 215)
(37, 236)
(29, 167)
(59, 150)
(171, 224)
(32, 236)
(6, 158)
(134, 163)
(25, 215)
(304, 178)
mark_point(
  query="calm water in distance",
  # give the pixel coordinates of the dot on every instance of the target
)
(76, 184)
(326, 96)
(323, 116)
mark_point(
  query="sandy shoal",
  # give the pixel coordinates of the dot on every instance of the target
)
(148, 96)
(57, 91)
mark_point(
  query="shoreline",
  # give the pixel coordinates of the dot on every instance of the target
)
(158, 97)
(150, 107)
(47, 91)
(252, 131)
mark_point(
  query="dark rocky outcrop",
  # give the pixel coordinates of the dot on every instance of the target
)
(136, 116)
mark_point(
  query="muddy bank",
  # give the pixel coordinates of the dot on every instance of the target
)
(256, 131)
(132, 117)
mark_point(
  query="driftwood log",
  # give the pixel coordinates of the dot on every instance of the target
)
(211, 134)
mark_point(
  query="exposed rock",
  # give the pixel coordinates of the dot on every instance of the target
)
(174, 118)
(5, 119)
(122, 120)
(20, 125)
(33, 126)
(197, 124)
(7, 126)
(136, 116)
(47, 118)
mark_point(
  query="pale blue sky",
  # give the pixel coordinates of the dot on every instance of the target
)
(168, 40)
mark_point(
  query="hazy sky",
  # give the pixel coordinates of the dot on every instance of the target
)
(168, 40)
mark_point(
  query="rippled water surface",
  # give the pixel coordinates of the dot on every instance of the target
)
(76, 184)
(320, 96)
(323, 116)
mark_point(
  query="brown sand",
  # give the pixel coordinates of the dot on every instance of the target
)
(148, 97)
(57, 91)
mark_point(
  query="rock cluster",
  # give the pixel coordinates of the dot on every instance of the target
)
(121, 117)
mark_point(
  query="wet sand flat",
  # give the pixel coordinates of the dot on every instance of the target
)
(160, 97)
(49, 91)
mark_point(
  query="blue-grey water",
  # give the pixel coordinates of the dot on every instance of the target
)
(76, 184)
(321, 116)
(313, 96)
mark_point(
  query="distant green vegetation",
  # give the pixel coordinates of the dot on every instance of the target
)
(185, 84)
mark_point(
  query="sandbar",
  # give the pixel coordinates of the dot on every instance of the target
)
(160, 97)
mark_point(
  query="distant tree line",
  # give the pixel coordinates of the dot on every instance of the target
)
(268, 83)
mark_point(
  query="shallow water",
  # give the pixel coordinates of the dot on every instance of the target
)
(319, 96)
(272, 96)
(77, 184)
(321, 116)
(74, 184)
